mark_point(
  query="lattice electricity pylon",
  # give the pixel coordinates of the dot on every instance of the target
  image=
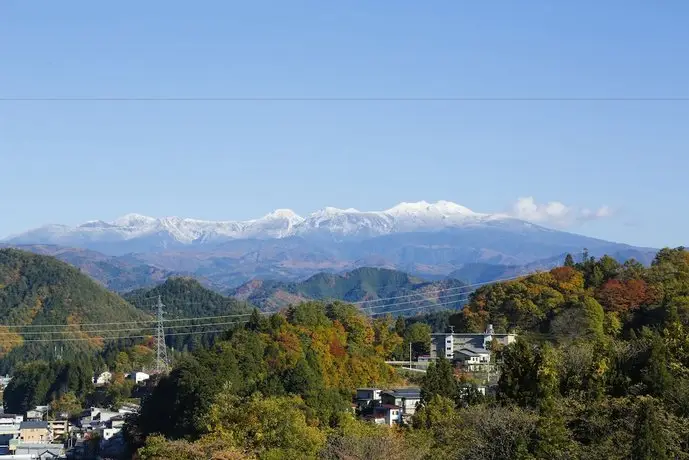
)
(162, 362)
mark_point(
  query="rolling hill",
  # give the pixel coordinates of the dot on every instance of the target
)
(37, 290)
(367, 286)
(187, 298)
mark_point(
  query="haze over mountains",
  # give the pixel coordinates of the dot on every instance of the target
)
(431, 240)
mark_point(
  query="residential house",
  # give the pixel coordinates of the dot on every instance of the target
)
(367, 397)
(116, 422)
(35, 432)
(37, 413)
(469, 349)
(36, 451)
(103, 378)
(138, 377)
(10, 419)
(9, 425)
(93, 417)
(385, 414)
(4, 381)
(129, 408)
(471, 357)
(405, 398)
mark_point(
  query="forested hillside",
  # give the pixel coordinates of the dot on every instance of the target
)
(119, 274)
(38, 291)
(279, 381)
(370, 287)
(186, 298)
(600, 370)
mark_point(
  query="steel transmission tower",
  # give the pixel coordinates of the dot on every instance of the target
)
(162, 363)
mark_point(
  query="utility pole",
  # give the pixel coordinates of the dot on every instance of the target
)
(409, 355)
(162, 363)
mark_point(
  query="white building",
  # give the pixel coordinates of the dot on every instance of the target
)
(103, 378)
(94, 417)
(405, 398)
(386, 414)
(470, 349)
(11, 419)
(37, 413)
(9, 425)
(4, 381)
(129, 408)
(138, 377)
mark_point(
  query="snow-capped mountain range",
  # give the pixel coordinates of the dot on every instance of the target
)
(282, 223)
(430, 240)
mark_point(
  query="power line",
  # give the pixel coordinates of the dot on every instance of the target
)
(431, 306)
(443, 289)
(419, 308)
(99, 331)
(200, 318)
(121, 323)
(127, 337)
(240, 315)
(430, 291)
(348, 99)
(463, 296)
(203, 318)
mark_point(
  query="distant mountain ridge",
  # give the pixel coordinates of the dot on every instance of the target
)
(428, 240)
(377, 290)
(133, 232)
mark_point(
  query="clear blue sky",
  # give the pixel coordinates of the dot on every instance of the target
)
(68, 162)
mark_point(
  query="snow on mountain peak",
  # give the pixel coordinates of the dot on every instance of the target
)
(423, 207)
(281, 223)
(284, 214)
(133, 220)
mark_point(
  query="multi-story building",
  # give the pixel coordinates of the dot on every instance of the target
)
(35, 432)
(59, 428)
(471, 350)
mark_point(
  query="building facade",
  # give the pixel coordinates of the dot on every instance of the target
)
(468, 349)
(35, 432)
(405, 398)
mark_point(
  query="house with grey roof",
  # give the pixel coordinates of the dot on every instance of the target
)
(468, 349)
(35, 431)
(406, 399)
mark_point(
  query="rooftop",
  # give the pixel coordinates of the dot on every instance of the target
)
(33, 425)
(471, 334)
(473, 351)
(404, 392)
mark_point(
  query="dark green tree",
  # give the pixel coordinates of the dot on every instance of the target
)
(569, 260)
(439, 380)
(176, 406)
(400, 326)
(650, 441)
